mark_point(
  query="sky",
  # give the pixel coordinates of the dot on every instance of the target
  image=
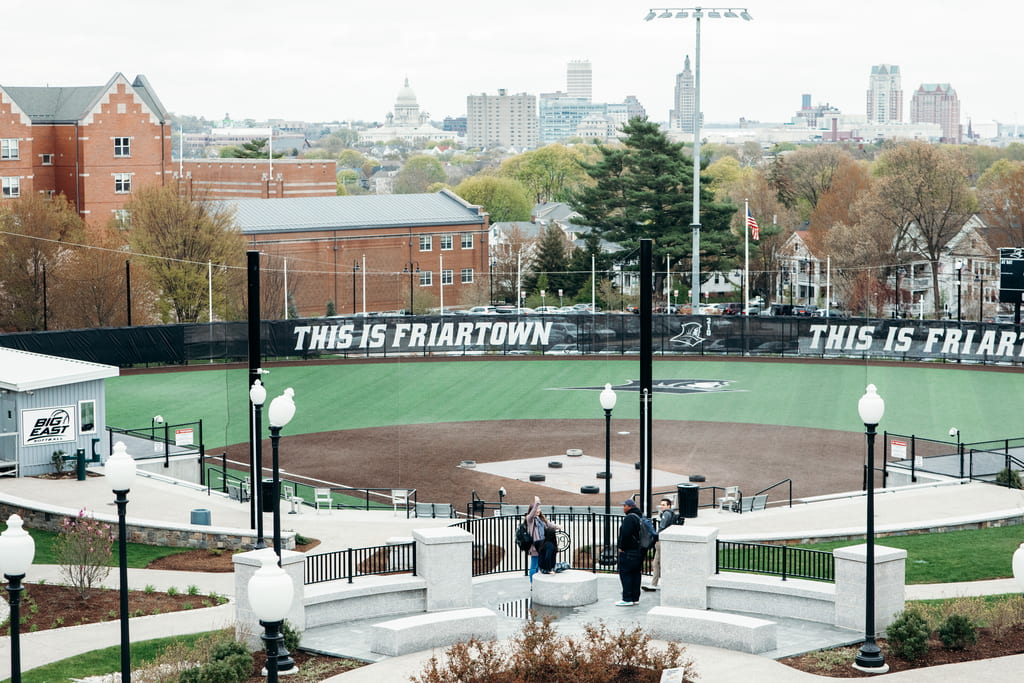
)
(327, 60)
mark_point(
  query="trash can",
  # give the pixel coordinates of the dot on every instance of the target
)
(80, 463)
(267, 495)
(200, 517)
(687, 496)
(478, 508)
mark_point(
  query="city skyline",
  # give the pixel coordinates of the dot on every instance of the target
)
(322, 61)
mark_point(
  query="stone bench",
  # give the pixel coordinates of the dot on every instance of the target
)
(565, 589)
(432, 629)
(718, 629)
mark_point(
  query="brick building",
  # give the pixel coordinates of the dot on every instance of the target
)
(93, 144)
(368, 253)
(257, 178)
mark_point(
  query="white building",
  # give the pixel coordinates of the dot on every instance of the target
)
(406, 123)
(579, 80)
(501, 120)
(885, 94)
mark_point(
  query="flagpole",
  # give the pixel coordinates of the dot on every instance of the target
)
(746, 256)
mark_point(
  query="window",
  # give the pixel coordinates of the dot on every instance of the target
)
(426, 278)
(46, 159)
(48, 194)
(87, 417)
(426, 243)
(122, 183)
(467, 240)
(446, 242)
(123, 219)
(467, 276)
(122, 147)
(9, 148)
(446, 277)
(10, 187)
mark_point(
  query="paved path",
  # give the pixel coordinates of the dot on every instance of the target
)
(161, 503)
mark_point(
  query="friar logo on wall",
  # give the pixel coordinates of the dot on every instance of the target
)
(668, 386)
(690, 335)
(47, 425)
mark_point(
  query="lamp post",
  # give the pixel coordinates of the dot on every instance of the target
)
(980, 285)
(120, 469)
(490, 283)
(355, 269)
(258, 396)
(281, 412)
(899, 272)
(409, 269)
(959, 265)
(270, 593)
(608, 403)
(697, 13)
(16, 552)
(871, 408)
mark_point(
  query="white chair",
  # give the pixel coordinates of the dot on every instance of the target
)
(730, 499)
(322, 499)
(399, 497)
(288, 493)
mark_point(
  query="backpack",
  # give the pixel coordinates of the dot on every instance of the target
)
(523, 538)
(648, 536)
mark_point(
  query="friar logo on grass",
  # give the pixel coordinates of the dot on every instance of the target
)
(669, 386)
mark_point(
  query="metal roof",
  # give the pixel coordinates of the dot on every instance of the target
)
(27, 371)
(254, 216)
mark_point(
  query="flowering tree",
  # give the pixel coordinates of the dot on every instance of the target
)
(84, 548)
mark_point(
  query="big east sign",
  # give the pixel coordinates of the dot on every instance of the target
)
(47, 425)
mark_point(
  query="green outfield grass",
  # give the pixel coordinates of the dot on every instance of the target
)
(920, 399)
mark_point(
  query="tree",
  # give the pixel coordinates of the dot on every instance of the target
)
(551, 260)
(549, 173)
(801, 177)
(509, 259)
(1001, 197)
(851, 180)
(417, 175)
(180, 238)
(644, 189)
(37, 236)
(256, 149)
(922, 196)
(503, 198)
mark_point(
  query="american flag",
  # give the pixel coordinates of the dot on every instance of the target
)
(755, 230)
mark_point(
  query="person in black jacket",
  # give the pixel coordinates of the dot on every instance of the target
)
(631, 559)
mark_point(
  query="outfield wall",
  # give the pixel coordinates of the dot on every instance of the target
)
(606, 334)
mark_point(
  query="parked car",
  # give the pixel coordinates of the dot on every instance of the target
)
(479, 310)
(548, 310)
(563, 350)
(829, 313)
(731, 308)
(804, 310)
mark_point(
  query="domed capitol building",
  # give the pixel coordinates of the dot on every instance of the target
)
(406, 122)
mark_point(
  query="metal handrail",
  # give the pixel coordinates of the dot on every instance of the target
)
(775, 560)
(348, 564)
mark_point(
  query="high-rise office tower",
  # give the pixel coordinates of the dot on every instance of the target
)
(937, 103)
(885, 95)
(681, 116)
(579, 81)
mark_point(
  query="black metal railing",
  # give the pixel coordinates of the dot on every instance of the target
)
(354, 562)
(775, 560)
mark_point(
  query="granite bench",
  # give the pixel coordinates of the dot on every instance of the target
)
(718, 629)
(565, 589)
(432, 629)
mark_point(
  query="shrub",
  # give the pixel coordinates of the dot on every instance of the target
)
(540, 653)
(292, 637)
(1007, 477)
(58, 461)
(908, 635)
(83, 549)
(229, 662)
(957, 632)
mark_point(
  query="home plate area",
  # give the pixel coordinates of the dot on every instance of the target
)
(571, 472)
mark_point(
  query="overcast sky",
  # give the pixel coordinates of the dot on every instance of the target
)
(323, 60)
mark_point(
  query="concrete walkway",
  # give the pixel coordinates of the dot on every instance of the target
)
(162, 503)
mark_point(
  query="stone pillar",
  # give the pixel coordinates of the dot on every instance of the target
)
(247, 627)
(851, 589)
(444, 559)
(688, 556)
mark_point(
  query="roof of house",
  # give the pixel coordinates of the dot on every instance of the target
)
(44, 104)
(27, 371)
(355, 212)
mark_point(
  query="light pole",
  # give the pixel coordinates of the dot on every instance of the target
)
(258, 396)
(871, 408)
(270, 593)
(281, 412)
(153, 422)
(608, 399)
(409, 269)
(980, 283)
(355, 269)
(120, 470)
(490, 283)
(697, 13)
(899, 272)
(959, 265)
(16, 552)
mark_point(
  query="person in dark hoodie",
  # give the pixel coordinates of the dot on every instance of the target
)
(630, 557)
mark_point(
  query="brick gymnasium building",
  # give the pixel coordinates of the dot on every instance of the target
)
(367, 253)
(93, 144)
(257, 178)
